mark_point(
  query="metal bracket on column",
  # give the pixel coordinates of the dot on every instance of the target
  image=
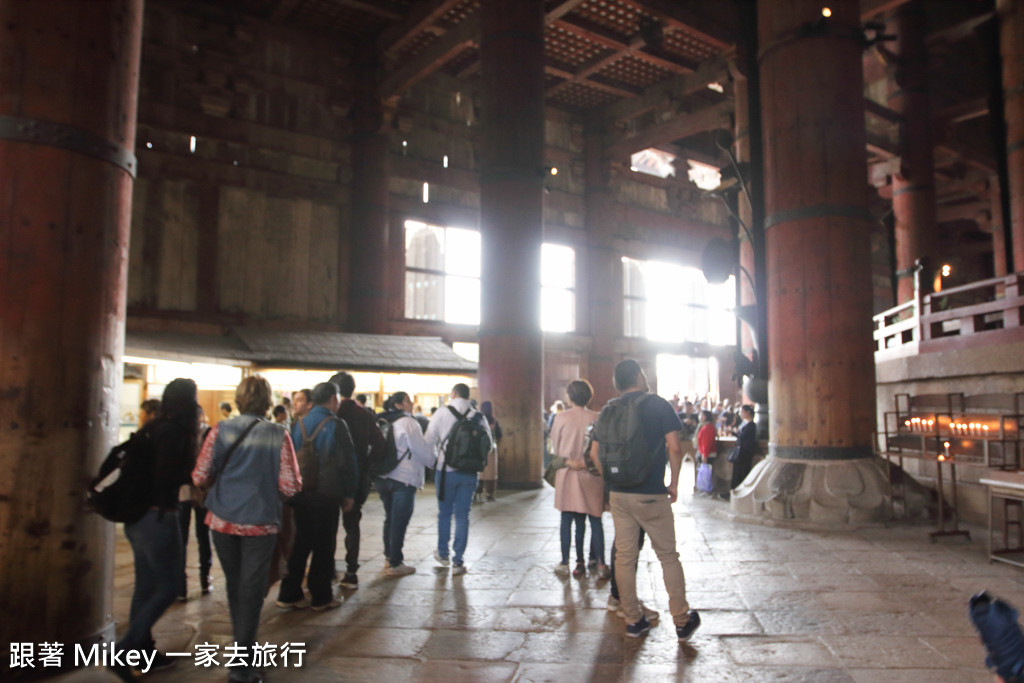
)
(73, 139)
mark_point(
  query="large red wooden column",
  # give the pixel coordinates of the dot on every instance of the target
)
(369, 307)
(913, 186)
(1011, 46)
(511, 222)
(604, 267)
(821, 363)
(69, 75)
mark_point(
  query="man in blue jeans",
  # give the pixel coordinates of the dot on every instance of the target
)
(454, 488)
(398, 487)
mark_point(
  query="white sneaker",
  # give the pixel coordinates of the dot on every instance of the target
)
(400, 570)
(651, 614)
(562, 569)
(459, 569)
(441, 559)
(613, 603)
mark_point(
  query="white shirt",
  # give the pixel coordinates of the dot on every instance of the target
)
(413, 452)
(441, 425)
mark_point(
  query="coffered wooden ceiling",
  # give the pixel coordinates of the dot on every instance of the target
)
(644, 66)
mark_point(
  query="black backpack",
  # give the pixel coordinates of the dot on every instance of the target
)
(468, 443)
(625, 459)
(382, 463)
(324, 474)
(122, 490)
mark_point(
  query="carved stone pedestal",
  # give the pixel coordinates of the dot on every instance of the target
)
(830, 493)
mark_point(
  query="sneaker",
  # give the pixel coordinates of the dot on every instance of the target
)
(458, 569)
(603, 572)
(592, 565)
(441, 559)
(400, 570)
(490, 499)
(302, 603)
(350, 581)
(638, 629)
(684, 632)
(334, 603)
(649, 614)
(613, 604)
(206, 583)
(580, 570)
(562, 569)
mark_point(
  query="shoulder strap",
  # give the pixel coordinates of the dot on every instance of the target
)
(233, 446)
(459, 416)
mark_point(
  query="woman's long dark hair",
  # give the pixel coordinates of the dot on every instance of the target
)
(181, 407)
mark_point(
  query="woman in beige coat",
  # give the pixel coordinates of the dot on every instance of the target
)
(578, 493)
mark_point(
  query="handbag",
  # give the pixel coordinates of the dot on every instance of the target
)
(734, 456)
(705, 481)
(199, 493)
(556, 463)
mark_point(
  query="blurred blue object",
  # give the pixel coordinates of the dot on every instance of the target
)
(996, 622)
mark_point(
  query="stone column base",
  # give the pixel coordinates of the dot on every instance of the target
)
(825, 492)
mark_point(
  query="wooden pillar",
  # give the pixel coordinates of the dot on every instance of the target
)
(67, 138)
(999, 232)
(511, 226)
(604, 267)
(368, 286)
(822, 388)
(913, 185)
(1011, 46)
(741, 148)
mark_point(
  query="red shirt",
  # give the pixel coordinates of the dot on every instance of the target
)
(707, 440)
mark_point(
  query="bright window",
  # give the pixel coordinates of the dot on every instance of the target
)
(558, 288)
(672, 303)
(442, 273)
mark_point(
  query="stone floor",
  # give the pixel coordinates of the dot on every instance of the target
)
(778, 604)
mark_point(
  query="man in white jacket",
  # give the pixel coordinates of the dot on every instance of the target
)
(398, 487)
(455, 488)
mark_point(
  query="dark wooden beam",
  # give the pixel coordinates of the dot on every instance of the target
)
(715, 117)
(961, 31)
(635, 46)
(282, 10)
(709, 71)
(561, 9)
(422, 16)
(881, 111)
(561, 71)
(870, 9)
(432, 58)
(965, 111)
(391, 11)
(677, 15)
(881, 146)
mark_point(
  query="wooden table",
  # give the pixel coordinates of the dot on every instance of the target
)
(1007, 487)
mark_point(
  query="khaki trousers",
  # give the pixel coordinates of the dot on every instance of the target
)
(652, 513)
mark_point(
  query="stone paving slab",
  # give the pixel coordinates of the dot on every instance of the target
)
(779, 604)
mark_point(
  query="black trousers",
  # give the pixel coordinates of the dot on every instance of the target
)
(350, 520)
(185, 510)
(740, 470)
(316, 534)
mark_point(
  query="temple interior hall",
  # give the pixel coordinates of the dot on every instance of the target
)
(814, 207)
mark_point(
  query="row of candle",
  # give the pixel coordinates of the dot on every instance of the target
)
(918, 424)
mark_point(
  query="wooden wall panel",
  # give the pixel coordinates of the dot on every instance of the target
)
(328, 288)
(136, 281)
(175, 213)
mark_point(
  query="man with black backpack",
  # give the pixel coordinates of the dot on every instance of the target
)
(327, 465)
(462, 439)
(638, 434)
